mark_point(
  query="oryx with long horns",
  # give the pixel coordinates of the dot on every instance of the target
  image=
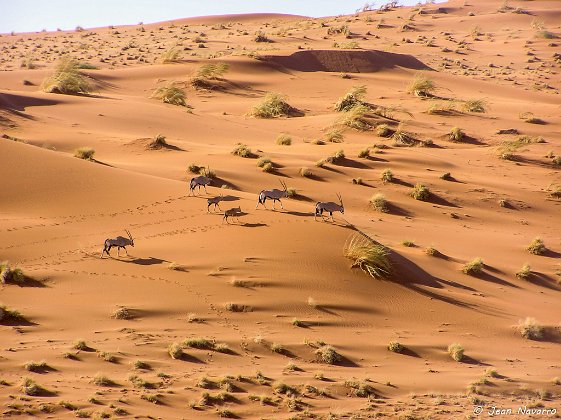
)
(330, 207)
(274, 194)
(119, 242)
(216, 201)
(197, 181)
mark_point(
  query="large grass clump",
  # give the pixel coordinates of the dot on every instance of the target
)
(379, 203)
(420, 192)
(284, 140)
(86, 153)
(456, 134)
(170, 94)
(351, 99)
(242, 150)
(386, 176)
(536, 247)
(171, 55)
(273, 105)
(67, 79)
(206, 76)
(355, 118)
(11, 275)
(456, 351)
(327, 354)
(369, 256)
(475, 105)
(421, 86)
(530, 329)
(473, 267)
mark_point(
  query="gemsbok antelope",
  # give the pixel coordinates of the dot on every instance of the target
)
(198, 181)
(119, 242)
(330, 207)
(233, 212)
(215, 201)
(274, 194)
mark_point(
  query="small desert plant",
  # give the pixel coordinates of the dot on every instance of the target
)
(358, 181)
(81, 345)
(268, 167)
(297, 323)
(355, 118)
(284, 140)
(456, 134)
(291, 192)
(420, 192)
(236, 307)
(530, 118)
(408, 243)
(363, 154)
(139, 364)
(473, 267)
(395, 347)
(530, 329)
(273, 105)
(170, 94)
(11, 275)
(327, 354)
(475, 105)
(86, 153)
(277, 348)
(170, 56)
(175, 350)
(402, 138)
(456, 351)
(260, 36)
(212, 70)
(524, 272)
(383, 130)
(386, 175)
(370, 257)
(421, 86)
(194, 169)
(67, 79)
(351, 99)
(447, 176)
(102, 380)
(123, 313)
(536, 247)
(68, 405)
(108, 357)
(432, 251)
(379, 203)
(36, 366)
(305, 172)
(334, 135)
(437, 108)
(31, 388)
(242, 150)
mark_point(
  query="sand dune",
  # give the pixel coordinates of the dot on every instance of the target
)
(266, 295)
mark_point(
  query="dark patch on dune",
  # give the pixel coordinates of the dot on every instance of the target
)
(346, 61)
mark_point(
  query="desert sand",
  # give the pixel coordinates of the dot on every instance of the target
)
(263, 294)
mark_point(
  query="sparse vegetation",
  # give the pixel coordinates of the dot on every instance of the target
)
(206, 76)
(170, 94)
(32, 388)
(284, 140)
(273, 105)
(236, 307)
(123, 313)
(386, 175)
(530, 328)
(364, 154)
(86, 153)
(370, 257)
(355, 118)
(175, 350)
(432, 251)
(305, 172)
(102, 380)
(420, 192)
(456, 351)
(243, 151)
(473, 267)
(383, 130)
(351, 99)
(395, 347)
(171, 55)
(408, 243)
(524, 272)
(333, 135)
(422, 86)
(327, 354)
(36, 366)
(475, 105)
(379, 203)
(67, 79)
(456, 134)
(11, 275)
(536, 247)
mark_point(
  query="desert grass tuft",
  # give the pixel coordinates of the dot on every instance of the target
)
(421, 86)
(370, 257)
(171, 55)
(475, 105)
(273, 105)
(524, 272)
(170, 94)
(333, 135)
(327, 354)
(67, 79)
(36, 366)
(456, 134)
(356, 118)
(305, 172)
(243, 151)
(536, 247)
(456, 351)
(473, 267)
(420, 192)
(379, 203)
(284, 140)
(175, 350)
(386, 175)
(530, 328)
(383, 130)
(352, 98)
(396, 347)
(11, 275)
(86, 153)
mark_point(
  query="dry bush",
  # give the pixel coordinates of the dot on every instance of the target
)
(524, 272)
(370, 257)
(11, 275)
(86, 153)
(243, 151)
(170, 94)
(351, 99)
(355, 118)
(379, 203)
(284, 140)
(530, 329)
(456, 134)
(383, 130)
(334, 135)
(536, 247)
(386, 175)
(171, 55)
(420, 192)
(327, 354)
(273, 105)
(395, 347)
(475, 105)
(421, 86)
(473, 267)
(456, 351)
(67, 79)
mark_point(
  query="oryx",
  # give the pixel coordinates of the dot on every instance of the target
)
(330, 207)
(197, 182)
(215, 201)
(233, 212)
(274, 194)
(119, 242)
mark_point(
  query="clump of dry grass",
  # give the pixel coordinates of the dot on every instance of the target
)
(171, 55)
(456, 134)
(351, 99)
(386, 175)
(420, 192)
(327, 354)
(67, 79)
(236, 307)
(333, 135)
(364, 154)
(284, 140)
(206, 76)
(273, 105)
(475, 105)
(175, 350)
(530, 328)
(383, 130)
(536, 247)
(36, 366)
(355, 118)
(86, 153)
(243, 151)
(102, 380)
(10, 315)
(395, 347)
(305, 172)
(432, 251)
(32, 388)
(524, 272)
(456, 351)
(370, 257)
(379, 203)
(421, 86)
(473, 267)
(170, 94)
(11, 275)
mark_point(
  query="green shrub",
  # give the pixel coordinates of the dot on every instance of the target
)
(370, 257)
